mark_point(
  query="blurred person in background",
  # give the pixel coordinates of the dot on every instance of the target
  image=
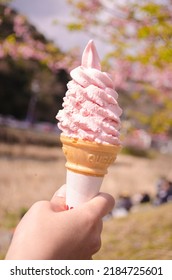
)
(163, 191)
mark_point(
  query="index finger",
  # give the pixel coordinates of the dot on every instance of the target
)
(100, 205)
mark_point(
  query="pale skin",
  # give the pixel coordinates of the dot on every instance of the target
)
(49, 232)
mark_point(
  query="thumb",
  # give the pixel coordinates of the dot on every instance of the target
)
(61, 192)
(100, 205)
(58, 199)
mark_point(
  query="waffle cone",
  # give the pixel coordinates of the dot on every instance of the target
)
(88, 158)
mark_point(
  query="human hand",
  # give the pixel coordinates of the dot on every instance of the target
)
(47, 231)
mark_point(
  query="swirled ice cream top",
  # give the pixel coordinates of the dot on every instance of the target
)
(90, 108)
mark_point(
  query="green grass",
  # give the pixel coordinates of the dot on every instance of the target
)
(141, 235)
(28, 136)
(148, 153)
(8, 222)
(11, 219)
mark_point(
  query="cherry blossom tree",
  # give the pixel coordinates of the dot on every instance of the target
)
(140, 36)
(22, 44)
(30, 68)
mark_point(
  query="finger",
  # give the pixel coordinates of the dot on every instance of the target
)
(58, 200)
(100, 205)
(61, 192)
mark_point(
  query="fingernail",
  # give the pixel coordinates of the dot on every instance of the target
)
(61, 192)
(66, 207)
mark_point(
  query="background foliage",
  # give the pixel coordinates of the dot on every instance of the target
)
(33, 71)
(140, 59)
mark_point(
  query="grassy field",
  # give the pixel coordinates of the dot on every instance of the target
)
(29, 173)
(20, 136)
(143, 235)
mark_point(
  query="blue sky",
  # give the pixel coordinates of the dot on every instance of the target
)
(42, 13)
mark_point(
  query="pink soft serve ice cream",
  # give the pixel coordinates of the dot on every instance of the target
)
(90, 109)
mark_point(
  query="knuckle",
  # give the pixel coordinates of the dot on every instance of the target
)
(91, 221)
(94, 227)
(96, 244)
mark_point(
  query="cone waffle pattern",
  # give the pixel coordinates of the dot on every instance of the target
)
(89, 158)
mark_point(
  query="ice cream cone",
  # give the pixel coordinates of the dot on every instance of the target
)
(87, 164)
(90, 124)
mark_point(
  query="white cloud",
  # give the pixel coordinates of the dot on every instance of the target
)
(62, 37)
(42, 13)
(41, 8)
